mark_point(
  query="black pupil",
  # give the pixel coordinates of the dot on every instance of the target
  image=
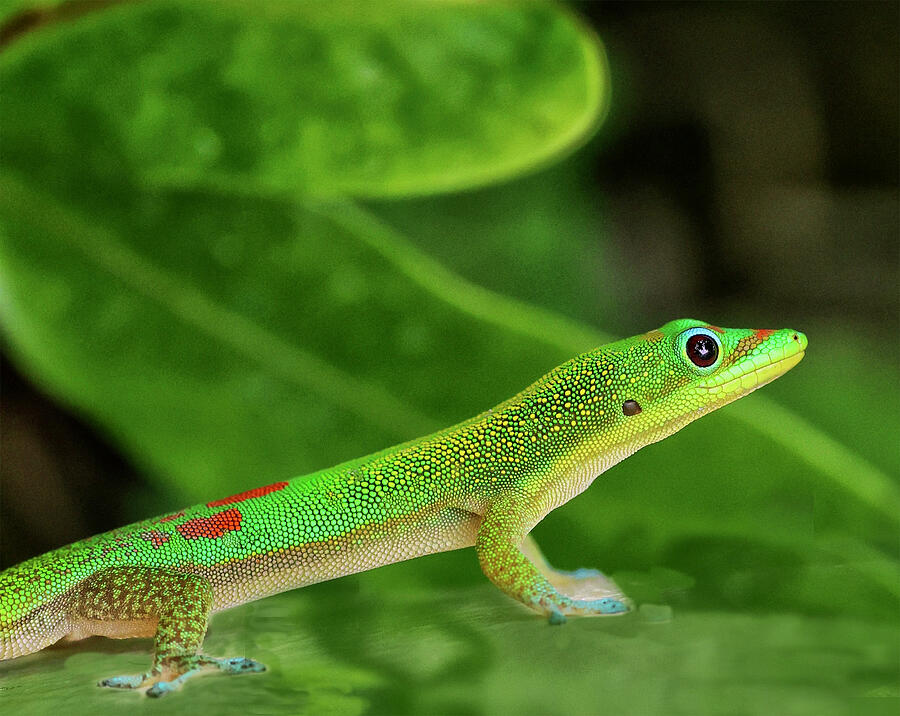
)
(702, 350)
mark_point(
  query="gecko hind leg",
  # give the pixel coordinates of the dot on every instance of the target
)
(174, 607)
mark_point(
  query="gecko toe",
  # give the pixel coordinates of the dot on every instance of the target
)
(160, 688)
(240, 665)
(612, 606)
(124, 682)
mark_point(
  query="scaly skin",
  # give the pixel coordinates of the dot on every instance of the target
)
(485, 482)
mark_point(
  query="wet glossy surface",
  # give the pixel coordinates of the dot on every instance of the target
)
(356, 647)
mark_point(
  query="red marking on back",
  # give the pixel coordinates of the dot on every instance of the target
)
(155, 537)
(716, 329)
(249, 494)
(211, 527)
(763, 333)
(174, 516)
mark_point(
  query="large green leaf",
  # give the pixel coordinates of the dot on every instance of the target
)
(343, 649)
(11, 8)
(251, 347)
(237, 297)
(375, 99)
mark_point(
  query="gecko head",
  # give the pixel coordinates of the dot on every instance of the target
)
(663, 380)
(691, 368)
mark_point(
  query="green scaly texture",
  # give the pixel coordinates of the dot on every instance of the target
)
(485, 482)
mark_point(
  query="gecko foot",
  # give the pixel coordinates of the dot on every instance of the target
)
(606, 605)
(586, 585)
(179, 670)
(234, 665)
(557, 609)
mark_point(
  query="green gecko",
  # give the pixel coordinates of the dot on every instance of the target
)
(485, 482)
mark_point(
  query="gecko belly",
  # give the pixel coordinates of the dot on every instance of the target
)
(238, 581)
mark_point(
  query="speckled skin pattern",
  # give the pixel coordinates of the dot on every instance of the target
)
(485, 482)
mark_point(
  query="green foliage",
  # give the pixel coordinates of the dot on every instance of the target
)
(186, 258)
(345, 652)
(224, 335)
(368, 99)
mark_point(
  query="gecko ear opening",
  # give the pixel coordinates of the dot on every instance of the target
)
(631, 407)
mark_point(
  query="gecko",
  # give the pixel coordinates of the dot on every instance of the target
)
(485, 482)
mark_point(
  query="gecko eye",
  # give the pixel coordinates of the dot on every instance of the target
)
(702, 350)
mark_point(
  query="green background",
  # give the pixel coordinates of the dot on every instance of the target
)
(240, 243)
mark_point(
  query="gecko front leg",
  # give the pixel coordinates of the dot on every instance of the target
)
(505, 553)
(172, 607)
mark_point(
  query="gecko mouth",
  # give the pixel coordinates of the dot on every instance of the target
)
(752, 373)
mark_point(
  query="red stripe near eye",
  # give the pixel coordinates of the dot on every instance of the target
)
(716, 329)
(211, 527)
(249, 494)
(763, 333)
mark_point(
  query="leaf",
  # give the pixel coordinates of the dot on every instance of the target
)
(92, 252)
(368, 99)
(546, 231)
(232, 377)
(333, 649)
(10, 8)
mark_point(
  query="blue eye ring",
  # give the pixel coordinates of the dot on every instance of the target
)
(701, 348)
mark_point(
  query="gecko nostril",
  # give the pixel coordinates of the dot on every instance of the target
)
(795, 337)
